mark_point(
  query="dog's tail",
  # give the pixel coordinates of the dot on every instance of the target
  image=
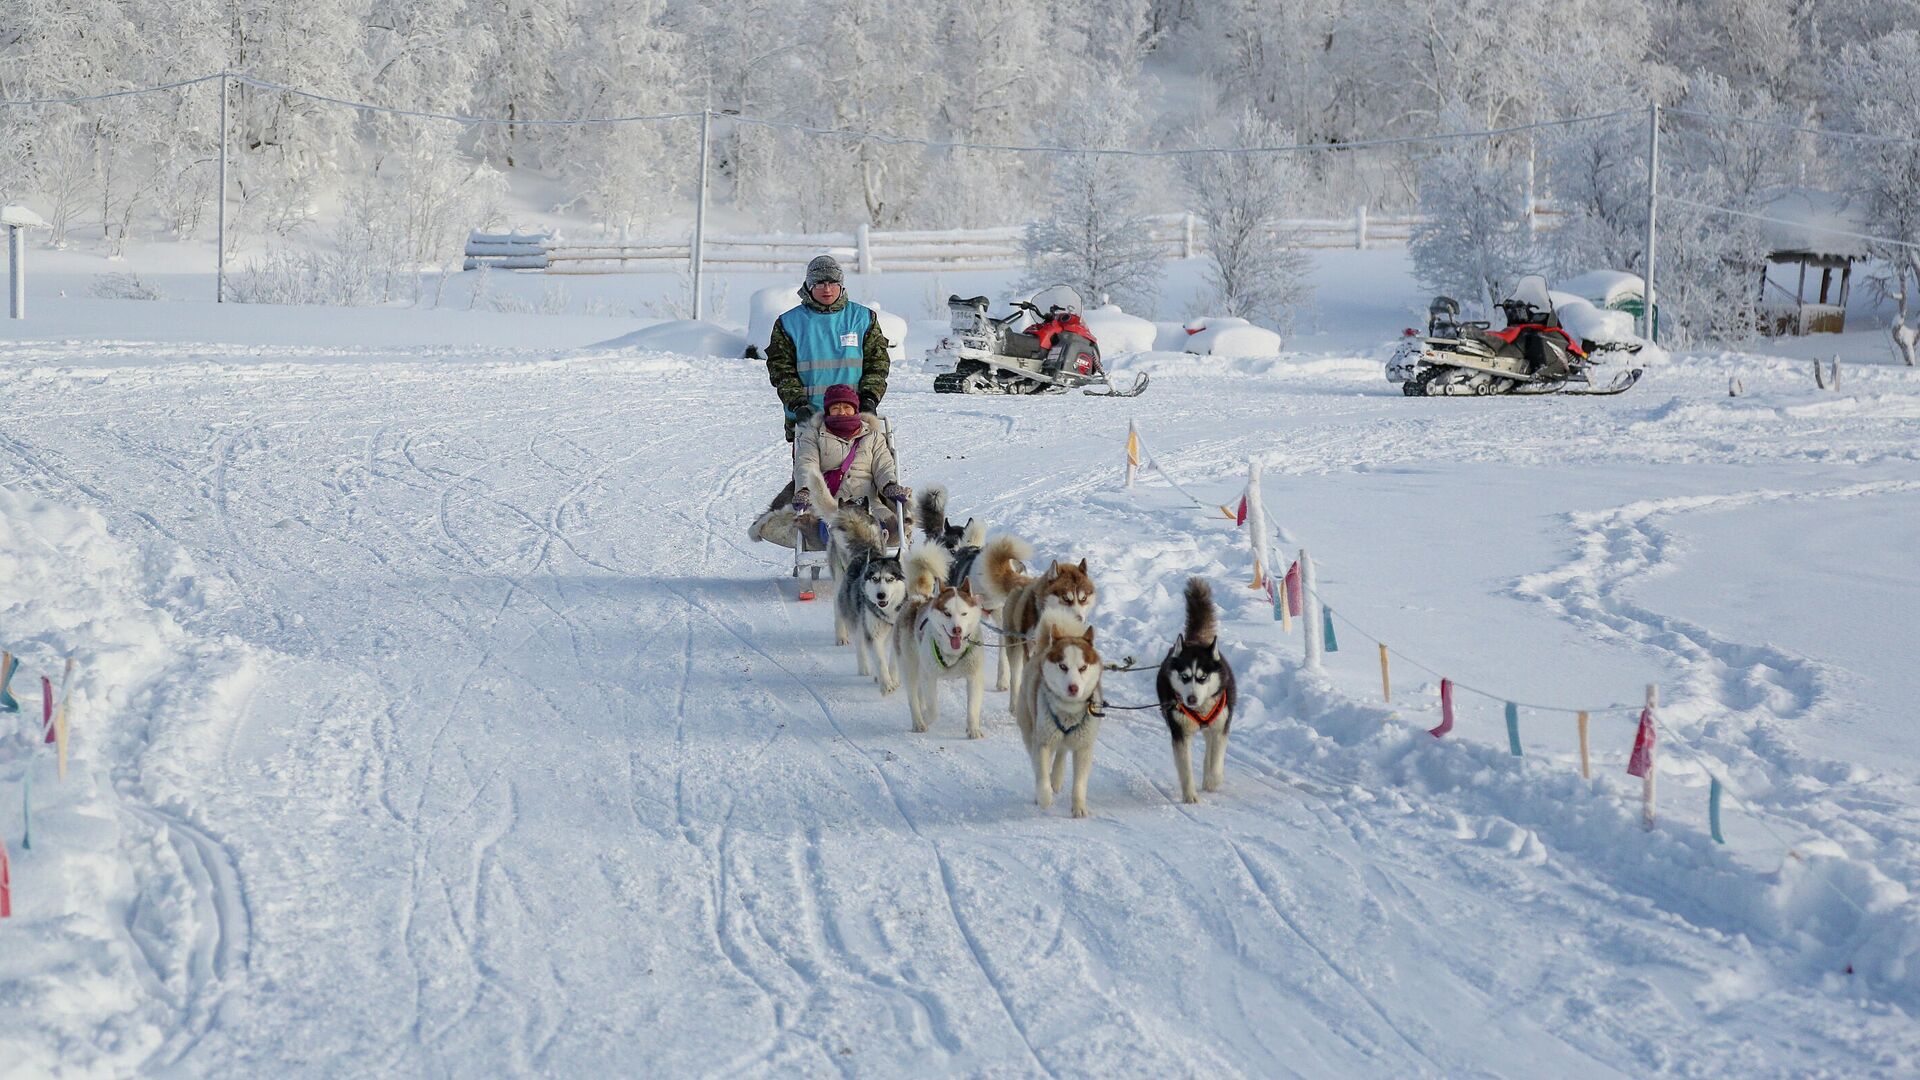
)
(1202, 620)
(1003, 554)
(931, 508)
(927, 570)
(975, 535)
(824, 504)
(863, 538)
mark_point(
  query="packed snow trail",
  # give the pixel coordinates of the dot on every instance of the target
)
(542, 771)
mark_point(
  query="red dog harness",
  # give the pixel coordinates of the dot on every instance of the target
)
(1212, 714)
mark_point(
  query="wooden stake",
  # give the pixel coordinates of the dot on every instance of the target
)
(1386, 688)
(1586, 759)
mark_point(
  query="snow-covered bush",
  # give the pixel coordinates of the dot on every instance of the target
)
(1472, 241)
(122, 287)
(1094, 235)
(1253, 268)
(1876, 87)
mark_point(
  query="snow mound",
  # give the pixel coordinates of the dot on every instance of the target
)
(1605, 288)
(685, 336)
(1119, 332)
(1225, 335)
(1581, 319)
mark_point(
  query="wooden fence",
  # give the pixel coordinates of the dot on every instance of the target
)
(873, 251)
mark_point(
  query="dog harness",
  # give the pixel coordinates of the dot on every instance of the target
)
(877, 611)
(1064, 730)
(1212, 714)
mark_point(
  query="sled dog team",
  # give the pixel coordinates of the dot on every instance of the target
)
(921, 622)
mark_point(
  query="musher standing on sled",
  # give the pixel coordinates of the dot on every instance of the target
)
(827, 341)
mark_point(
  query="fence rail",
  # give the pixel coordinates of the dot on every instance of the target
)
(872, 251)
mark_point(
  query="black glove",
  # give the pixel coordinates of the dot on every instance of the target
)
(869, 403)
(894, 493)
(802, 414)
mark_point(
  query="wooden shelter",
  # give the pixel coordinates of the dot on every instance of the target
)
(1808, 275)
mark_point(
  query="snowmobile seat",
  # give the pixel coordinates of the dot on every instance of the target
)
(967, 301)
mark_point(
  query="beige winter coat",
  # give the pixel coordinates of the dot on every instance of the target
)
(816, 450)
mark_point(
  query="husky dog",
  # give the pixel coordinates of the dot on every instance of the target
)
(1021, 600)
(1196, 692)
(964, 543)
(1057, 705)
(939, 638)
(868, 603)
(849, 516)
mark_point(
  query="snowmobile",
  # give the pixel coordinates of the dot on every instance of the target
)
(1534, 354)
(1041, 347)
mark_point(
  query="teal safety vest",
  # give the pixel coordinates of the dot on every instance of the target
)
(827, 346)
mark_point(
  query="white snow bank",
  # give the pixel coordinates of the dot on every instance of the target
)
(1225, 335)
(1605, 288)
(1581, 319)
(108, 866)
(684, 336)
(1119, 332)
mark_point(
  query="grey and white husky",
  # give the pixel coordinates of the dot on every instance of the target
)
(963, 543)
(1196, 692)
(939, 639)
(867, 606)
(1057, 705)
(849, 515)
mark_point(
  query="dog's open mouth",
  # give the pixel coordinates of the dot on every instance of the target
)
(955, 639)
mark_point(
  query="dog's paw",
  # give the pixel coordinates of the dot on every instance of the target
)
(976, 733)
(1191, 798)
(1044, 802)
(1213, 783)
(1081, 811)
(919, 727)
(889, 687)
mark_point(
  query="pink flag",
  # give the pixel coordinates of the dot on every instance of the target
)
(6, 883)
(46, 706)
(1642, 758)
(1446, 709)
(1293, 589)
(1240, 518)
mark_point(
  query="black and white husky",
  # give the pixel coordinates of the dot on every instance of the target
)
(939, 639)
(1058, 704)
(867, 606)
(1196, 692)
(847, 516)
(963, 543)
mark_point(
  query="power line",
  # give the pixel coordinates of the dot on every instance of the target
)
(262, 84)
(117, 93)
(1861, 136)
(1790, 223)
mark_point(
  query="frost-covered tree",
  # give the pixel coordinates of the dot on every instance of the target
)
(1472, 240)
(1876, 88)
(1254, 269)
(1094, 235)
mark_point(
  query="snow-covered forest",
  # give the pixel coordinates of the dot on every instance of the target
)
(1137, 73)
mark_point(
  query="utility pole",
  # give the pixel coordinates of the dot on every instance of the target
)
(1653, 210)
(700, 214)
(220, 229)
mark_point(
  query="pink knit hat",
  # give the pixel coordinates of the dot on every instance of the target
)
(841, 392)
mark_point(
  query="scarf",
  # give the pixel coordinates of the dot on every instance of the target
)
(845, 427)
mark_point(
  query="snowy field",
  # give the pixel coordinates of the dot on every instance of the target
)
(436, 717)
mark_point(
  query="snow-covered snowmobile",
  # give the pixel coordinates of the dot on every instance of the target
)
(1041, 347)
(1534, 354)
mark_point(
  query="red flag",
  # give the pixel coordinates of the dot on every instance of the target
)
(1293, 589)
(46, 706)
(1642, 758)
(1240, 518)
(1446, 709)
(6, 883)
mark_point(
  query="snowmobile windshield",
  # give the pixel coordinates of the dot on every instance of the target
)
(1057, 296)
(1532, 291)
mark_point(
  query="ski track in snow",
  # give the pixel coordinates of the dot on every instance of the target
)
(545, 772)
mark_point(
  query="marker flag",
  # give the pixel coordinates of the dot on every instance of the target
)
(1240, 518)
(1713, 811)
(1326, 627)
(1586, 759)
(1259, 575)
(6, 883)
(1228, 514)
(8, 665)
(1513, 728)
(26, 808)
(1386, 688)
(1642, 759)
(1446, 709)
(1294, 606)
(1279, 609)
(1133, 446)
(46, 708)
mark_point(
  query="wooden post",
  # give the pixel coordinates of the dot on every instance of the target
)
(1310, 612)
(1386, 688)
(1833, 377)
(1819, 375)
(1586, 759)
(1653, 771)
(220, 219)
(16, 272)
(1360, 227)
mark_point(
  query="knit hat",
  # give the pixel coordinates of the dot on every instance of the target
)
(842, 393)
(824, 268)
